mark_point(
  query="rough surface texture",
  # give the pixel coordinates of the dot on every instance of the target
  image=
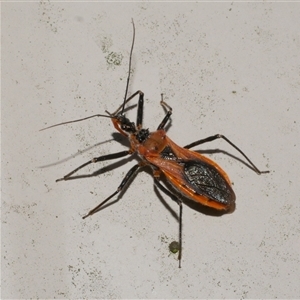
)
(229, 68)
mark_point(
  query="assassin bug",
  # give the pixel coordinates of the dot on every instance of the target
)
(188, 173)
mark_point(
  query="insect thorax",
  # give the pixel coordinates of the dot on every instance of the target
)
(142, 135)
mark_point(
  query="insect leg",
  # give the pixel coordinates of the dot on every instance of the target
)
(94, 160)
(139, 118)
(220, 136)
(167, 116)
(129, 174)
(127, 100)
(179, 202)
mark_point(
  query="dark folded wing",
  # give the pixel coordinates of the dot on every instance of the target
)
(206, 180)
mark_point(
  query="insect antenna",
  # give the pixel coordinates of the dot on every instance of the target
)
(74, 121)
(125, 100)
(129, 71)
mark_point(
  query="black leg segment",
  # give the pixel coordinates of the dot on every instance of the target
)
(220, 136)
(167, 116)
(94, 160)
(179, 202)
(139, 118)
(129, 174)
(127, 100)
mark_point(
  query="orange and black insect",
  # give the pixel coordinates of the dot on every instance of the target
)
(187, 173)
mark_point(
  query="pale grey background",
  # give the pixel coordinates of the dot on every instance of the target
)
(230, 68)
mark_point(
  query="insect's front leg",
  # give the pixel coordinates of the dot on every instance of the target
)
(220, 136)
(140, 111)
(167, 116)
(140, 93)
(94, 160)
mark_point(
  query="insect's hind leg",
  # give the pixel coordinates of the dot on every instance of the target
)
(167, 116)
(94, 160)
(220, 136)
(179, 202)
